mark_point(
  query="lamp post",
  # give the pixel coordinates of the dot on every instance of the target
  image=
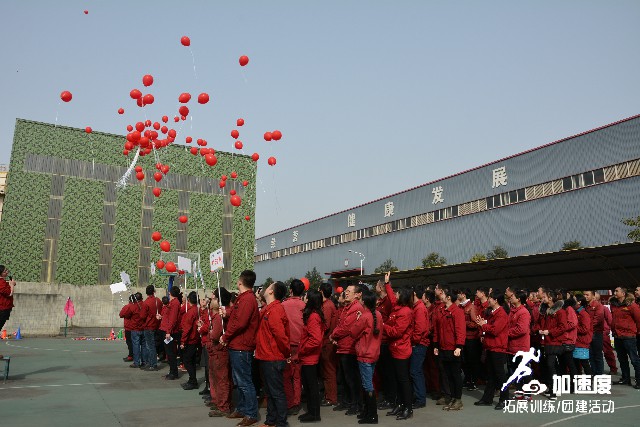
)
(362, 257)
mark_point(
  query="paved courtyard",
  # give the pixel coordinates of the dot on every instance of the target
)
(63, 382)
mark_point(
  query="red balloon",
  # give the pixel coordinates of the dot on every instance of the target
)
(165, 169)
(183, 110)
(139, 126)
(128, 145)
(235, 134)
(234, 175)
(183, 219)
(139, 102)
(240, 122)
(66, 96)
(157, 176)
(125, 152)
(156, 191)
(156, 236)
(183, 118)
(223, 177)
(247, 217)
(255, 157)
(222, 183)
(138, 169)
(188, 139)
(238, 145)
(176, 119)
(140, 176)
(232, 192)
(147, 80)
(271, 161)
(276, 135)
(244, 60)
(135, 94)
(148, 99)
(156, 126)
(236, 201)
(147, 123)
(339, 289)
(184, 97)
(86, 12)
(203, 98)
(160, 265)
(171, 267)
(158, 166)
(88, 129)
(245, 183)
(165, 246)
(211, 159)
(120, 110)
(267, 136)
(306, 283)
(194, 151)
(186, 41)
(164, 129)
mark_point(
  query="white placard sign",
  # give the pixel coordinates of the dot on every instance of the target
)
(184, 264)
(125, 278)
(118, 287)
(216, 260)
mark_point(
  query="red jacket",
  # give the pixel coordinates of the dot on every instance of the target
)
(131, 312)
(189, 326)
(470, 314)
(450, 331)
(272, 339)
(534, 311)
(6, 299)
(432, 323)
(585, 333)
(330, 314)
(596, 312)
(293, 306)
(205, 317)
(554, 320)
(169, 322)
(572, 326)
(384, 306)
(243, 323)
(519, 330)
(398, 330)
(496, 331)
(311, 340)
(342, 333)
(367, 344)
(626, 318)
(151, 306)
(421, 326)
(215, 332)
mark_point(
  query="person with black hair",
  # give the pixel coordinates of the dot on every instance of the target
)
(419, 345)
(274, 352)
(398, 329)
(519, 331)
(219, 368)
(472, 351)
(553, 331)
(189, 340)
(151, 307)
(309, 353)
(203, 323)
(431, 364)
(294, 306)
(384, 366)
(126, 317)
(169, 325)
(566, 359)
(444, 394)
(625, 326)
(585, 334)
(328, 356)
(367, 335)
(132, 311)
(449, 337)
(6, 295)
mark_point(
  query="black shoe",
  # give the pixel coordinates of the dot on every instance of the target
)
(170, 377)
(144, 366)
(205, 390)
(623, 381)
(384, 405)
(294, 410)
(309, 418)
(373, 419)
(190, 386)
(499, 406)
(352, 411)
(472, 387)
(340, 407)
(152, 368)
(483, 403)
(395, 411)
(326, 403)
(419, 405)
(405, 414)
(637, 386)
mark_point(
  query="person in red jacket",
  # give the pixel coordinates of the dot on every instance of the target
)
(384, 366)
(553, 331)
(367, 336)
(127, 328)
(398, 329)
(189, 340)
(566, 359)
(274, 352)
(519, 336)
(133, 312)
(596, 349)
(219, 368)
(472, 351)
(169, 325)
(309, 353)
(294, 306)
(495, 333)
(449, 337)
(625, 328)
(419, 345)
(439, 310)
(328, 356)
(6, 295)
(585, 334)
(432, 376)
(204, 325)
(151, 307)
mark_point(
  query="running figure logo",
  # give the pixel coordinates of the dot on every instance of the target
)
(522, 370)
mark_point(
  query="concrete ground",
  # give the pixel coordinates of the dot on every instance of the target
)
(62, 382)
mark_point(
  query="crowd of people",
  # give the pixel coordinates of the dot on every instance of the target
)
(378, 348)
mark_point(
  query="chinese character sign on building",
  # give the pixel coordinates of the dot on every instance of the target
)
(437, 195)
(295, 236)
(388, 209)
(351, 220)
(499, 177)
(273, 242)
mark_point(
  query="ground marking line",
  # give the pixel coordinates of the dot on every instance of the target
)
(582, 415)
(49, 385)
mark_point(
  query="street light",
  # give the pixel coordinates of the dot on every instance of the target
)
(362, 257)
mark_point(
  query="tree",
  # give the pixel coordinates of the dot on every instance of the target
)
(635, 233)
(386, 266)
(267, 282)
(478, 257)
(289, 280)
(433, 260)
(497, 252)
(570, 245)
(315, 279)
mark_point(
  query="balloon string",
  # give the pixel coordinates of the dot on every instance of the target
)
(123, 181)
(193, 58)
(57, 110)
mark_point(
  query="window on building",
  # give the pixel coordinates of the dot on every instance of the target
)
(588, 178)
(567, 183)
(598, 176)
(490, 202)
(454, 211)
(437, 215)
(521, 195)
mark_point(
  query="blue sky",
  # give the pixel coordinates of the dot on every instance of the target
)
(372, 97)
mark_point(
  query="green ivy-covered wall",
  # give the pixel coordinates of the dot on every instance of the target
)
(28, 194)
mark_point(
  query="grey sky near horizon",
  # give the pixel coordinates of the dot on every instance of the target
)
(372, 97)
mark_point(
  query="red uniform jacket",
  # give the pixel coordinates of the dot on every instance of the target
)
(272, 340)
(450, 331)
(421, 325)
(555, 321)
(189, 326)
(398, 330)
(534, 311)
(519, 330)
(6, 299)
(293, 306)
(330, 314)
(470, 314)
(216, 332)
(151, 306)
(626, 318)
(585, 333)
(132, 312)
(311, 340)
(596, 312)
(572, 326)
(367, 344)
(432, 323)
(169, 322)
(496, 331)
(342, 333)
(243, 323)
(205, 316)
(384, 306)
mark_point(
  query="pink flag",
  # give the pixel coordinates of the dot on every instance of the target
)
(68, 308)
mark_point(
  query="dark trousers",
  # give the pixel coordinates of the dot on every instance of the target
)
(189, 360)
(309, 377)
(496, 376)
(127, 338)
(384, 368)
(445, 386)
(627, 349)
(596, 357)
(471, 360)
(403, 382)
(452, 372)
(204, 361)
(549, 365)
(4, 316)
(582, 364)
(273, 373)
(172, 354)
(416, 370)
(329, 372)
(349, 364)
(567, 365)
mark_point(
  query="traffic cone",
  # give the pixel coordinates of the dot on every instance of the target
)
(113, 335)
(4, 334)
(120, 334)
(18, 336)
